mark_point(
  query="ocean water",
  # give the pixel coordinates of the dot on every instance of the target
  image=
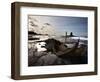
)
(70, 42)
(81, 38)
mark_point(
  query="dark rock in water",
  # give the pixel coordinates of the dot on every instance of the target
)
(54, 45)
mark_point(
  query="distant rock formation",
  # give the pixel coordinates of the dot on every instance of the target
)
(71, 34)
(32, 32)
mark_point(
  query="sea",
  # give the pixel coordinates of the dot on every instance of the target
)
(69, 41)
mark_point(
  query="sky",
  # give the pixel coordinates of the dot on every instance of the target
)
(62, 24)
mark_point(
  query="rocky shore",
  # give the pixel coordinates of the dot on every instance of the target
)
(57, 53)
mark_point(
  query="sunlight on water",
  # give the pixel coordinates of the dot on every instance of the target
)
(40, 47)
(81, 38)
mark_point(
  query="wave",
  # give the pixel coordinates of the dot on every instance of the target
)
(81, 38)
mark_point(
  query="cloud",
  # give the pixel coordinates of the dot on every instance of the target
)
(36, 25)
